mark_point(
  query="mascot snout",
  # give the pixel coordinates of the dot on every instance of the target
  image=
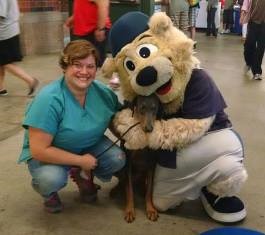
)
(147, 76)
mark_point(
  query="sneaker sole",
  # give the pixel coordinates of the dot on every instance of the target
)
(257, 79)
(3, 92)
(223, 217)
(54, 210)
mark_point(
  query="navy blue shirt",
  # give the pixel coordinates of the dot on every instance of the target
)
(202, 99)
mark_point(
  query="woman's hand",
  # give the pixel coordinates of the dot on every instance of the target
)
(100, 35)
(88, 162)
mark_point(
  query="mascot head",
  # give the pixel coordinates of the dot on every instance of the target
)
(150, 56)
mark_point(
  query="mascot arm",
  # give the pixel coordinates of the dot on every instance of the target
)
(177, 132)
(135, 138)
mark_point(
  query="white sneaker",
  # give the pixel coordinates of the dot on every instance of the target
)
(257, 77)
(223, 209)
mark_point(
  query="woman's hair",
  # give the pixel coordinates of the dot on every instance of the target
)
(76, 50)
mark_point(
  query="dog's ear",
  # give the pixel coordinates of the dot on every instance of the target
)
(130, 104)
(134, 104)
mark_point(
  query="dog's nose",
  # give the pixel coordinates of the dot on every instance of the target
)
(147, 76)
(148, 128)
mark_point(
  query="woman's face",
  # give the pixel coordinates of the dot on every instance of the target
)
(81, 73)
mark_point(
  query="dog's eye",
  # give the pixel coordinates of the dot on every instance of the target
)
(128, 64)
(145, 50)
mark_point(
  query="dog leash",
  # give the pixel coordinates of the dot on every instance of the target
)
(118, 139)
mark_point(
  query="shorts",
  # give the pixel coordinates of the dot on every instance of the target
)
(193, 13)
(181, 20)
(10, 50)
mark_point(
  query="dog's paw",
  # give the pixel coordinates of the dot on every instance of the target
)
(129, 215)
(152, 214)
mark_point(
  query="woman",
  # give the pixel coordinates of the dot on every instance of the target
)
(65, 125)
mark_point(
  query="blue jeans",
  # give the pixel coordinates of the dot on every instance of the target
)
(49, 178)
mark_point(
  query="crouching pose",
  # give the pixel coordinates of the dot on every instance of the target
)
(65, 125)
(200, 154)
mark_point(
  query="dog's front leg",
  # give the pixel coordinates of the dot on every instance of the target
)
(151, 211)
(129, 209)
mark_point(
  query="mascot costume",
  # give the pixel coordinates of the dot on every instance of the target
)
(200, 155)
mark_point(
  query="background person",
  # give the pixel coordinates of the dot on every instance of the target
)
(228, 16)
(64, 129)
(255, 41)
(90, 21)
(193, 13)
(10, 47)
(179, 14)
(211, 11)
(244, 17)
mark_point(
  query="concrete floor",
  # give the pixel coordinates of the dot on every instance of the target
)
(21, 211)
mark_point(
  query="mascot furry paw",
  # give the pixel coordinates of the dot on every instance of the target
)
(195, 136)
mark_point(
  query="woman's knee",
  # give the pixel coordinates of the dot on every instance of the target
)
(48, 179)
(109, 165)
(118, 162)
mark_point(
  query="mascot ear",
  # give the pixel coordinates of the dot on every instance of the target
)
(159, 23)
(108, 68)
(186, 48)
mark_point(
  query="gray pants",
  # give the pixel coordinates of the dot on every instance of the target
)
(214, 161)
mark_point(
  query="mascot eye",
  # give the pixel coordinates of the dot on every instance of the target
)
(145, 50)
(128, 64)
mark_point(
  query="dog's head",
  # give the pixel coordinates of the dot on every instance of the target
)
(147, 109)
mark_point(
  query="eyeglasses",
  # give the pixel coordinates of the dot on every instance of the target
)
(80, 67)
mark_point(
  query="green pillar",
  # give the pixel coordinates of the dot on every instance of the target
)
(147, 6)
(70, 7)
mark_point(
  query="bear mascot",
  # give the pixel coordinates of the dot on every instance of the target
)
(200, 154)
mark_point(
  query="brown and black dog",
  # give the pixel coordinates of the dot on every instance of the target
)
(140, 164)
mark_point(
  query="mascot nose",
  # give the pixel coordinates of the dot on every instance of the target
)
(147, 76)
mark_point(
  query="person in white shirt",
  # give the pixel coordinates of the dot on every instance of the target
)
(10, 47)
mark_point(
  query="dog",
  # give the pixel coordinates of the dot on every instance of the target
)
(140, 164)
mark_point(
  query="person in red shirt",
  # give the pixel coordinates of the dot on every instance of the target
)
(90, 21)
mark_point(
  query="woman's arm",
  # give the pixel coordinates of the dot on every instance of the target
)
(103, 12)
(42, 150)
(69, 22)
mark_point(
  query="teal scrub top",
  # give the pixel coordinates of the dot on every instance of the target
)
(56, 111)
